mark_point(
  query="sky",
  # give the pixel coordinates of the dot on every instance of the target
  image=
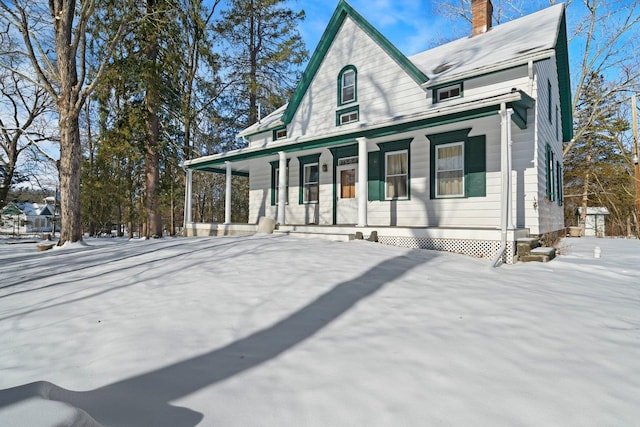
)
(273, 330)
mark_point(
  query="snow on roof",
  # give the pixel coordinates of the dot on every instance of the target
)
(518, 39)
(268, 122)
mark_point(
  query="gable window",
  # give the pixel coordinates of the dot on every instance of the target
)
(347, 85)
(458, 165)
(275, 173)
(347, 115)
(396, 176)
(448, 92)
(450, 170)
(280, 133)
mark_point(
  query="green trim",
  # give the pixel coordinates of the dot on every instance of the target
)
(435, 89)
(222, 171)
(351, 136)
(355, 108)
(564, 79)
(305, 160)
(274, 179)
(335, 23)
(275, 131)
(355, 85)
(339, 153)
(475, 161)
(390, 147)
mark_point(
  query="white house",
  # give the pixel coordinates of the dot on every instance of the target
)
(457, 148)
(27, 217)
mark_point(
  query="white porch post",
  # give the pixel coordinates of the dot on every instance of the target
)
(188, 197)
(227, 195)
(282, 187)
(363, 178)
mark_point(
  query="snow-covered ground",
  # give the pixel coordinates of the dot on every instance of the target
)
(274, 331)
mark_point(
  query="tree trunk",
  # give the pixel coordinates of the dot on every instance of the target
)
(69, 170)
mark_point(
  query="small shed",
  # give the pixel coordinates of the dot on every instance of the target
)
(595, 221)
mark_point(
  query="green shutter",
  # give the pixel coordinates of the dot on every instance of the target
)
(475, 160)
(375, 182)
(547, 157)
(475, 167)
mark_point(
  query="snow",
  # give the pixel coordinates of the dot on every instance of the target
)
(276, 331)
(515, 40)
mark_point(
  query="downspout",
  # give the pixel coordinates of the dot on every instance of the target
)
(505, 167)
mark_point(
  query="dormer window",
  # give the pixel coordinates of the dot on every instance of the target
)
(347, 85)
(448, 92)
(280, 133)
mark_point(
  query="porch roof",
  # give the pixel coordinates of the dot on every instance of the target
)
(470, 109)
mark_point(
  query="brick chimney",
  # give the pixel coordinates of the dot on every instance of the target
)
(481, 11)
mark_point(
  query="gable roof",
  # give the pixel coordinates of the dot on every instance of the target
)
(533, 37)
(344, 10)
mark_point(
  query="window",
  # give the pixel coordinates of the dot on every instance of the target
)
(347, 115)
(275, 170)
(458, 164)
(396, 176)
(448, 92)
(279, 134)
(549, 101)
(450, 170)
(347, 85)
(311, 183)
(553, 171)
(557, 125)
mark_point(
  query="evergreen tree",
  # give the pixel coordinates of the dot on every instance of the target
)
(596, 168)
(264, 51)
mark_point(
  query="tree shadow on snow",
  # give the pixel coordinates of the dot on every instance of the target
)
(144, 400)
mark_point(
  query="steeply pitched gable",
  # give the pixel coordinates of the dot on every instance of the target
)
(343, 11)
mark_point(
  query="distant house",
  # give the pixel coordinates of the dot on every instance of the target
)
(26, 217)
(595, 221)
(457, 148)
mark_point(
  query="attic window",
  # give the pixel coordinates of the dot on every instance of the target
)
(449, 92)
(347, 85)
(279, 134)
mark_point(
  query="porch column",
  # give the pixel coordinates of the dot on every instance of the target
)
(187, 197)
(227, 195)
(282, 187)
(363, 178)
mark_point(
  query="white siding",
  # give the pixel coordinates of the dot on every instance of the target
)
(384, 89)
(549, 213)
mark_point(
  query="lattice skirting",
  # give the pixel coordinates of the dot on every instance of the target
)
(474, 248)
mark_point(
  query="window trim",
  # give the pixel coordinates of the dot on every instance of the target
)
(305, 184)
(347, 69)
(463, 192)
(438, 90)
(355, 109)
(304, 161)
(475, 161)
(277, 130)
(386, 176)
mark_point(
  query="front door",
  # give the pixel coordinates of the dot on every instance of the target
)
(347, 205)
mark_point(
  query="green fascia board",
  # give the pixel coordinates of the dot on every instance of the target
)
(564, 79)
(367, 133)
(339, 15)
(220, 171)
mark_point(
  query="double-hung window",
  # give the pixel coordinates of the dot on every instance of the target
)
(396, 175)
(310, 185)
(348, 86)
(450, 170)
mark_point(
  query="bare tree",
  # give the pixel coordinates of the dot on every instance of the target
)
(22, 110)
(54, 40)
